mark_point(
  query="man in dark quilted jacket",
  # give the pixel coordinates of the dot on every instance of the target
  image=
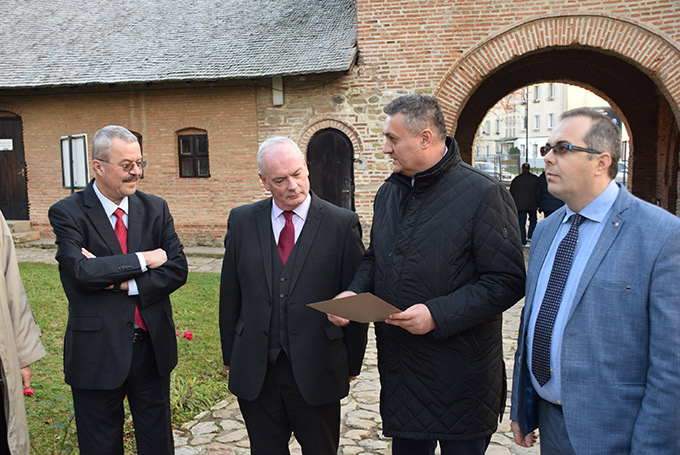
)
(445, 249)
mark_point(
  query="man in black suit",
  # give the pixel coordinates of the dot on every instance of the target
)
(289, 366)
(119, 260)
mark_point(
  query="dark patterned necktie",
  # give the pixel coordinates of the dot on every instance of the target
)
(121, 235)
(540, 354)
(286, 237)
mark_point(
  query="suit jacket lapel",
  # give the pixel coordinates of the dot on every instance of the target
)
(611, 229)
(95, 211)
(263, 220)
(135, 219)
(306, 238)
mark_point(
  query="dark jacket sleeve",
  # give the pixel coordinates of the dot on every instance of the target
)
(230, 293)
(162, 281)
(355, 333)
(86, 275)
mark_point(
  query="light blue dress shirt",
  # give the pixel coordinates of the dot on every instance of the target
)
(596, 213)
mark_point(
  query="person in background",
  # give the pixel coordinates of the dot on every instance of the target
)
(523, 189)
(547, 203)
(119, 261)
(289, 366)
(20, 346)
(597, 368)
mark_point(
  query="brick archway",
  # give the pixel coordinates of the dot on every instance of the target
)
(321, 124)
(635, 69)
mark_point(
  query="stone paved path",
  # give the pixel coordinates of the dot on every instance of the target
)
(220, 430)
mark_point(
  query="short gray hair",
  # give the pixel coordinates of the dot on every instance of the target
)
(604, 136)
(420, 111)
(266, 145)
(101, 144)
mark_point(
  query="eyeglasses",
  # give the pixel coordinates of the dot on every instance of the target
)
(563, 147)
(127, 166)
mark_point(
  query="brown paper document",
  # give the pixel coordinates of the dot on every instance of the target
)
(359, 308)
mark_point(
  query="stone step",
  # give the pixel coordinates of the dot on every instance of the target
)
(23, 237)
(19, 225)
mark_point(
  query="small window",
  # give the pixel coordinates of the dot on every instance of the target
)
(193, 155)
(498, 126)
(551, 91)
(551, 121)
(537, 93)
(537, 122)
(534, 149)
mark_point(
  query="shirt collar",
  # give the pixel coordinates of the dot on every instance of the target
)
(301, 210)
(599, 207)
(109, 206)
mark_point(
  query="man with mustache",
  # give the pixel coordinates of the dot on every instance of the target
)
(119, 260)
(598, 353)
(288, 365)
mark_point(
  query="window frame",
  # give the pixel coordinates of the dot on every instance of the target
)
(196, 154)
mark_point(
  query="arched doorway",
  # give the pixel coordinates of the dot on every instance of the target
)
(13, 190)
(331, 171)
(588, 51)
(648, 116)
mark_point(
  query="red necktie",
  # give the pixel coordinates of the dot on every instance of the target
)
(286, 237)
(121, 234)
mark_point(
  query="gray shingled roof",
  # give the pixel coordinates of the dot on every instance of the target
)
(76, 42)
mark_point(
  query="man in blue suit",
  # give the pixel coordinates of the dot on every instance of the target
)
(597, 368)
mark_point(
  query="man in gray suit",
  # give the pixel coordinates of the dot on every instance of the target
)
(288, 365)
(597, 368)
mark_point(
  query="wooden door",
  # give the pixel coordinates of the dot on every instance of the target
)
(330, 158)
(13, 193)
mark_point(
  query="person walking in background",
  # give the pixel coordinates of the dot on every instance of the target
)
(547, 203)
(119, 261)
(523, 189)
(20, 346)
(288, 365)
(444, 249)
(597, 368)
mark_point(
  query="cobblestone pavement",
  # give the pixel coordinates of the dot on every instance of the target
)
(220, 430)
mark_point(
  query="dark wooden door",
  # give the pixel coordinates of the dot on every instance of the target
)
(13, 194)
(330, 158)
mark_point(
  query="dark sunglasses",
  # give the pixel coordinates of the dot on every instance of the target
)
(563, 147)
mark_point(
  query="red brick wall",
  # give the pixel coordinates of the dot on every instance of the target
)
(199, 205)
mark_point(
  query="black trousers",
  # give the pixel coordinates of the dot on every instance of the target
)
(401, 446)
(280, 410)
(100, 415)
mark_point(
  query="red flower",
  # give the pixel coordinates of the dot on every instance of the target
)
(28, 392)
(188, 335)
(176, 334)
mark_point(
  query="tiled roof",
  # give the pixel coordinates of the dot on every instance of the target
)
(76, 42)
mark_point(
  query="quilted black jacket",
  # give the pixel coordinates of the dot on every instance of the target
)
(450, 241)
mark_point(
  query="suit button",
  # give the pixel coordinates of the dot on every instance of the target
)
(282, 295)
(282, 279)
(130, 324)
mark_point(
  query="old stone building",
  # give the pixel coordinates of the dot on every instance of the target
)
(203, 83)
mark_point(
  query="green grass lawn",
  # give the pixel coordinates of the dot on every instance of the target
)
(197, 382)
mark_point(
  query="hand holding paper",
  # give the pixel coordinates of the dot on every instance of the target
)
(363, 307)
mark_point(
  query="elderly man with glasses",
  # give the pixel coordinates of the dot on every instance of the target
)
(598, 353)
(119, 260)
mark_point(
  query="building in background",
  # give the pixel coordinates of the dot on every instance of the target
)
(504, 128)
